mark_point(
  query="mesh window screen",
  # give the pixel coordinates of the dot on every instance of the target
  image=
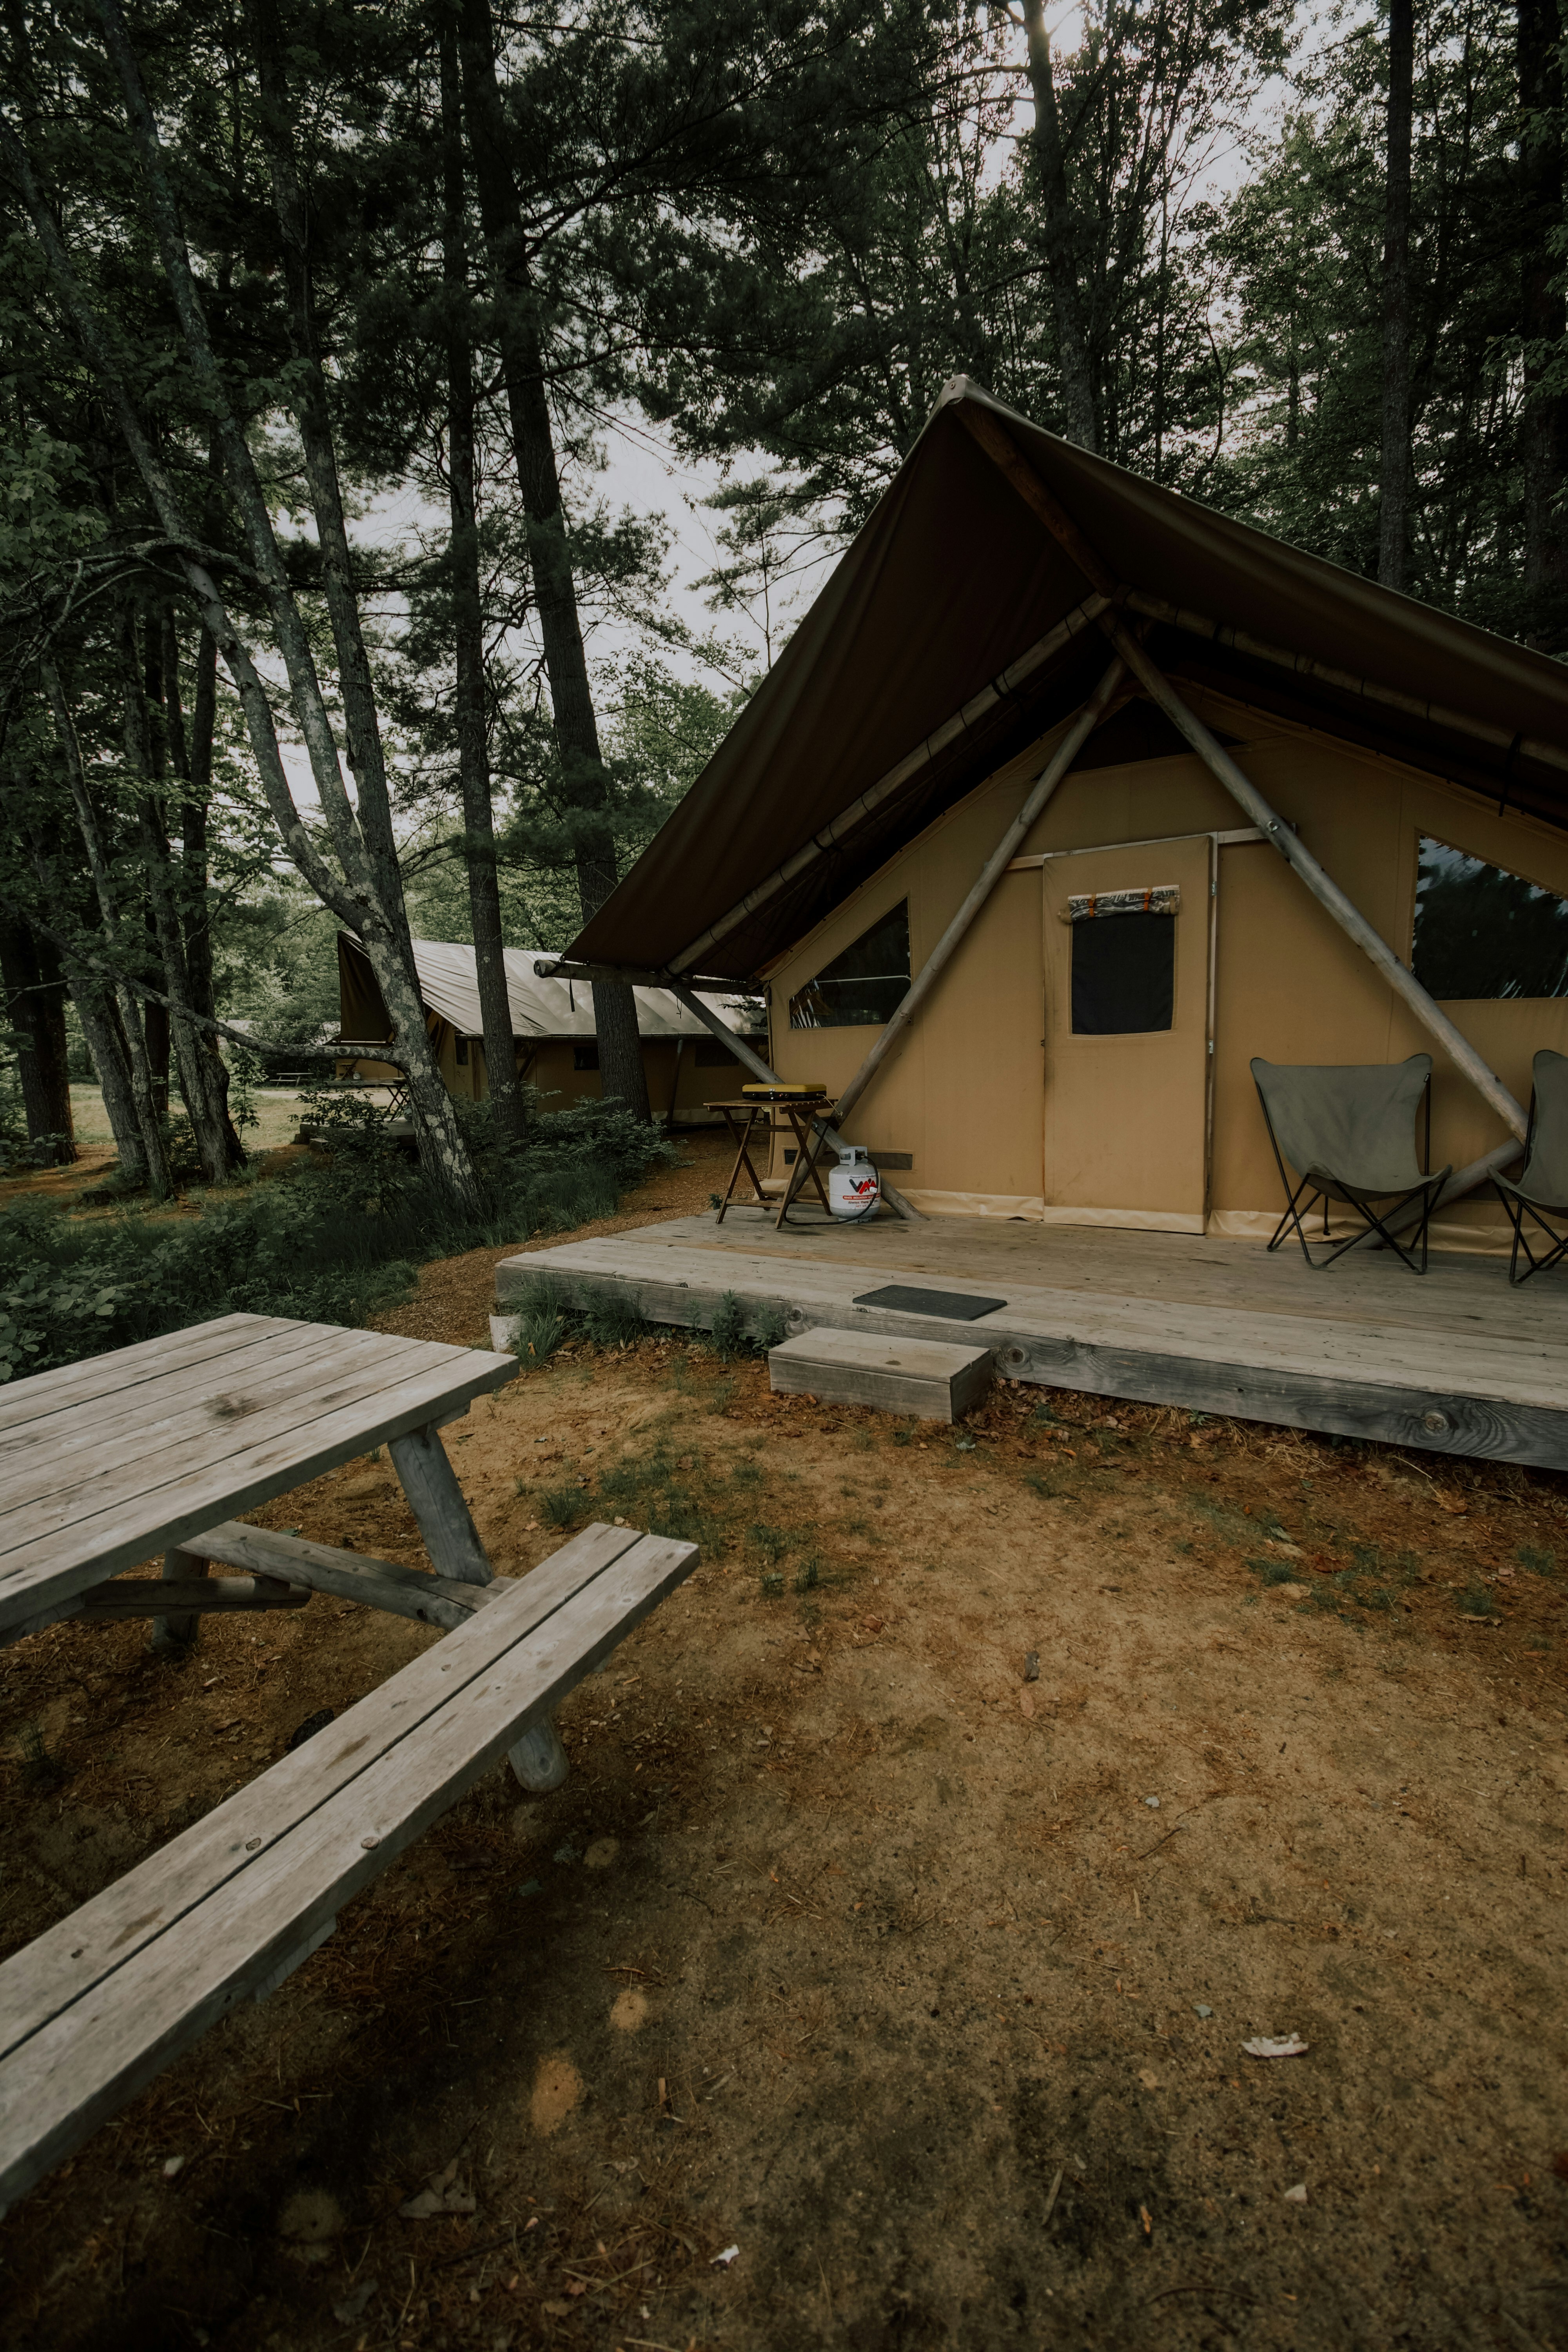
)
(1123, 974)
(1481, 932)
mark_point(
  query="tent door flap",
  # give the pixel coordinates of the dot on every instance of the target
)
(1127, 985)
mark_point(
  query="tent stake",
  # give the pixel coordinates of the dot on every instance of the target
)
(1000, 446)
(990, 874)
(759, 1069)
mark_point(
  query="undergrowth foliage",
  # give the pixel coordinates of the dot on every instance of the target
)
(328, 1243)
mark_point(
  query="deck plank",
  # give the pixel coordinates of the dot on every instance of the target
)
(1421, 1370)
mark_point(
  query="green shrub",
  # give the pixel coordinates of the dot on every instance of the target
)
(331, 1243)
(559, 1506)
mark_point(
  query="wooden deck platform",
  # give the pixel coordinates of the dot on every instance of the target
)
(1458, 1363)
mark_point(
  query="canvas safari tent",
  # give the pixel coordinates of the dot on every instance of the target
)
(553, 1031)
(1142, 792)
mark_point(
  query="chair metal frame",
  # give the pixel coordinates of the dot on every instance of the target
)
(1426, 1192)
(1517, 1209)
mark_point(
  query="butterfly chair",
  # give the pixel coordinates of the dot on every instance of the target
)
(1350, 1132)
(1541, 1189)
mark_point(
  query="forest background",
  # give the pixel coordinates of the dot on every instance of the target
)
(322, 322)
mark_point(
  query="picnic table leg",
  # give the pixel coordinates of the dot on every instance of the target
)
(436, 1501)
(539, 1759)
(177, 1633)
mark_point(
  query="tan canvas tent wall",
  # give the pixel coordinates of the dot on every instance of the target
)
(553, 1029)
(881, 759)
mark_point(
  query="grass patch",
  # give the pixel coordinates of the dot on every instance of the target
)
(1273, 1572)
(614, 1324)
(1474, 1601)
(1540, 1563)
(742, 1330)
(560, 1506)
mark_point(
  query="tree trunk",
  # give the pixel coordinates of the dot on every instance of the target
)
(146, 743)
(467, 621)
(584, 775)
(1080, 423)
(35, 1005)
(191, 760)
(132, 1038)
(1394, 503)
(1545, 425)
(308, 398)
(106, 1044)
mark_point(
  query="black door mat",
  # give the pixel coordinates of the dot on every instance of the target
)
(956, 1305)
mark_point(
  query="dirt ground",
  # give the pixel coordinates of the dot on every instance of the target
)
(856, 1988)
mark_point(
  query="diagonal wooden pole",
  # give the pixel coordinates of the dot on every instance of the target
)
(837, 829)
(998, 444)
(990, 874)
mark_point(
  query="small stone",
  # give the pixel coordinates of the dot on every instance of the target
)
(1297, 2196)
(1202, 2008)
(171, 2165)
(1152, 1803)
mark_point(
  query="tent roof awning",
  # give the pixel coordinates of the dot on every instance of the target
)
(951, 578)
(449, 987)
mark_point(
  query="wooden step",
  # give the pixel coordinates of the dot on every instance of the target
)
(927, 1378)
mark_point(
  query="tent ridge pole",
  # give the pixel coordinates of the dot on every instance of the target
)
(759, 1069)
(978, 706)
(991, 873)
(998, 442)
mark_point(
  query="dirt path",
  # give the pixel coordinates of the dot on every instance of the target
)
(921, 1983)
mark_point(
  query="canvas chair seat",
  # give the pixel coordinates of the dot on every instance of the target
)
(1540, 1191)
(1349, 1131)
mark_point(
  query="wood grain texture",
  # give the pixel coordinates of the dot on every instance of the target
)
(246, 1443)
(58, 1439)
(922, 1377)
(386, 1584)
(539, 1759)
(437, 1504)
(1407, 1370)
(167, 1633)
(86, 2058)
(69, 1958)
(146, 1596)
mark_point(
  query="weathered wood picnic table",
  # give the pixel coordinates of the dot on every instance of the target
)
(106, 1462)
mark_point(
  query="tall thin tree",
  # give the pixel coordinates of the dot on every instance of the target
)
(467, 612)
(1397, 469)
(584, 777)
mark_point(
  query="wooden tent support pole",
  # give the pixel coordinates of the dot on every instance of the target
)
(998, 444)
(1322, 886)
(1462, 1182)
(979, 706)
(759, 1069)
(990, 874)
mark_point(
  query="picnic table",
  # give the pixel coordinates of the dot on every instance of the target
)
(107, 1462)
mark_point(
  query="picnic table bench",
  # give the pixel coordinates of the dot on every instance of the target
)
(221, 1417)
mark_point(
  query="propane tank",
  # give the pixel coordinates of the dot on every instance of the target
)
(854, 1187)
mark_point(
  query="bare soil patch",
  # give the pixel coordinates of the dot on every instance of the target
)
(849, 1946)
